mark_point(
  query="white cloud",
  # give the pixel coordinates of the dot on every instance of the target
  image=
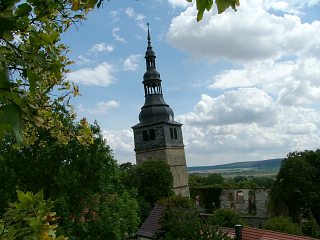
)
(121, 142)
(179, 3)
(82, 60)
(101, 75)
(247, 126)
(116, 36)
(292, 6)
(130, 12)
(131, 63)
(138, 17)
(246, 106)
(103, 107)
(101, 47)
(294, 82)
(249, 34)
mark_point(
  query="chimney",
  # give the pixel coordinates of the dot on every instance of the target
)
(238, 231)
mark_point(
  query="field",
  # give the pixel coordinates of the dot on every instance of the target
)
(261, 168)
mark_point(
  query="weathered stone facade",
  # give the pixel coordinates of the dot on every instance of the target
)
(249, 202)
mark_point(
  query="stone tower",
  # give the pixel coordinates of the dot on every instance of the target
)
(158, 136)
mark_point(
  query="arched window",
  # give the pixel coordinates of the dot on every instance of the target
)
(239, 197)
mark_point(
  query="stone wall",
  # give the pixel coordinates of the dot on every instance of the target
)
(249, 202)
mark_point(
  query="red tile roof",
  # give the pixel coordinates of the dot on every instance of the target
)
(152, 224)
(249, 233)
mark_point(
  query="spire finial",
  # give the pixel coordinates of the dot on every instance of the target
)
(149, 39)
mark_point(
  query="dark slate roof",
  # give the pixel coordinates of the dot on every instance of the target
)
(152, 224)
(249, 233)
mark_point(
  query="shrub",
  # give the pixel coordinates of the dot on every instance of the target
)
(283, 224)
(225, 217)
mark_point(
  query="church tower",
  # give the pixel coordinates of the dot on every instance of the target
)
(158, 136)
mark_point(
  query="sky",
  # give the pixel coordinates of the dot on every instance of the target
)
(245, 85)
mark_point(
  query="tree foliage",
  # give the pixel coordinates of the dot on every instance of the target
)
(83, 179)
(297, 185)
(31, 217)
(225, 217)
(217, 180)
(181, 221)
(282, 224)
(33, 64)
(154, 180)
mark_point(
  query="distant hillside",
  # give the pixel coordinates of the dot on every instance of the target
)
(270, 164)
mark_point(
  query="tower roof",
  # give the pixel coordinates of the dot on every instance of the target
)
(155, 109)
(152, 76)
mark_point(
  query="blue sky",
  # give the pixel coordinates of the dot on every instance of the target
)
(245, 85)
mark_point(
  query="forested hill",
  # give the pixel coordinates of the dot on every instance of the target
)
(254, 165)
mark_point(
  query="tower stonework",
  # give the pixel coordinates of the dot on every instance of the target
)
(157, 136)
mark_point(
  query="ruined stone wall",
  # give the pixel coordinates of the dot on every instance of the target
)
(175, 158)
(249, 202)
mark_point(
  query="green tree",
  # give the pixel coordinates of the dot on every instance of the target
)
(31, 217)
(282, 224)
(181, 221)
(154, 180)
(80, 177)
(33, 65)
(196, 181)
(128, 175)
(225, 217)
(214, 179)
(297, 185)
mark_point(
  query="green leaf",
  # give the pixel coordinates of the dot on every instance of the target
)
(201, 6)
(33, 78)
(11, 115)
(21, 196)
(222, 5)
(75, 5)
(92, 3)
(209, 4)
(4, 77)
(23, 9)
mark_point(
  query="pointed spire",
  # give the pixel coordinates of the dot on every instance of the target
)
(149, 38)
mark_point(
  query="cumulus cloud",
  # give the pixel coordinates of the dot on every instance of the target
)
(116, 36)
(294, 82)
(101, 75)
(250, 126)
(249, 34)
(245, 106)
(121, 142)
(101, 47)
(131, 63)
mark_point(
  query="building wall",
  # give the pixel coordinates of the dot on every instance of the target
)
(175, 158)
(250, 202)
(162, 137)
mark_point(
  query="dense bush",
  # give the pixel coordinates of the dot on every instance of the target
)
(282, 224)
(226, 217)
